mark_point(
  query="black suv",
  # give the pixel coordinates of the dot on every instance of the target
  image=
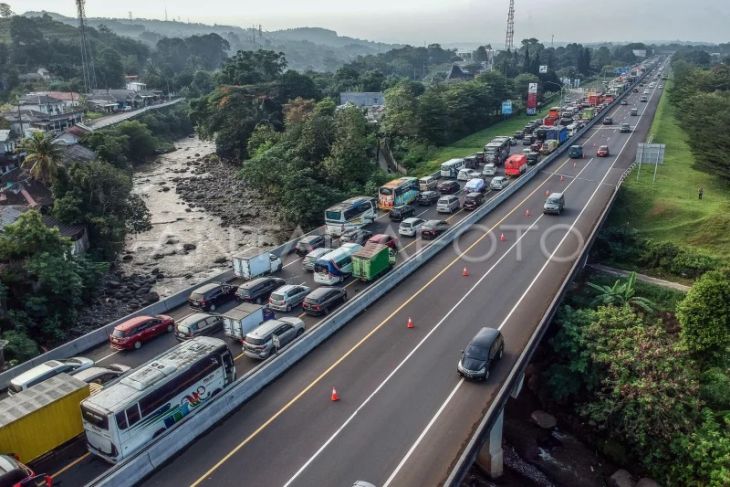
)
(448, 187)
(400, 213)
(308, 243)
(428, 198)
(258, 290)
(208, 296)
(356, 235)
(323, 299)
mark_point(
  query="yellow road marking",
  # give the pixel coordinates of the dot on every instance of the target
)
(337, 362)
(71, 465)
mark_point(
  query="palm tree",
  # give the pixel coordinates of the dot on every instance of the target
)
(43, 157)
(621, 294)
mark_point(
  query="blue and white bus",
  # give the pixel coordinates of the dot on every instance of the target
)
(451, 168)
(124, 417)
(352, 213)
(335, 266)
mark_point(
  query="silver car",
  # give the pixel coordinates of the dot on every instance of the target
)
(272, 336)
(288, 297)
(498, 183)
(489, 170)
(101, 375)
(46, 370)
(410, 226)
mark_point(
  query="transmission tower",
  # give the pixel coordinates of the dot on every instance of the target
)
(87, 57)
(509, 40)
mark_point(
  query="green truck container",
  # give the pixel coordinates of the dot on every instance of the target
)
(372, 261)
(37, 420)
(588, 113)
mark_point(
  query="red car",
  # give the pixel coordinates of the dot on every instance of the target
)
(135, 331)
(602, 151)
(15, 474)
(384, 239)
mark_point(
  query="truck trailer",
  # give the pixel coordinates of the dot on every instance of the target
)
(41, 418)
(254, 263)
(372, 261)
(515, 165)
(245, 318)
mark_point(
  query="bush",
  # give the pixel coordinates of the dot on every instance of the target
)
(715, 388)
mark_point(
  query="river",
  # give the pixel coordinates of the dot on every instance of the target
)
(186, 243)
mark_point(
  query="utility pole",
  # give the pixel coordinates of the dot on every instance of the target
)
(87, 57)
(509, 40)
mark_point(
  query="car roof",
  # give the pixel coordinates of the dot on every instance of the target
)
(207, 287)
(193, 318)
(318, 252)
(310, 238)
(92, 372)
(39, 369)
(433, 222)
(287, 287)
(320, 291)
(265, 328)
(380, 237)
(473, 195)
(603, 147)
(132, 322)
(412, 219)
(555, 195)
(485, 336)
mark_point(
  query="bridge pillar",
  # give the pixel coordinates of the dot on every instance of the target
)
(490, 456)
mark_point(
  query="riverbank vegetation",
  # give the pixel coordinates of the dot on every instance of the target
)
(649, 378)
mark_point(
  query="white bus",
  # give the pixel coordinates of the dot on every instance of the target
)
(125, 416)
(352, 213)
(450, 168)
(335, 266)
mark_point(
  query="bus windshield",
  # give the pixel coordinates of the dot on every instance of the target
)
(333, 215)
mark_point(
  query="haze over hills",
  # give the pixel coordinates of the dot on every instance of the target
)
(306, 48)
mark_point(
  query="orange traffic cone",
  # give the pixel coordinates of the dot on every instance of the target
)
(335, 396)
(502, 238)
(547, 192)
(562, 178)
(410, 323)
(465, 272)
(527, 212)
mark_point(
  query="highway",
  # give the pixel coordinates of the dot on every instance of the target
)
(74, 466)
(404, 413)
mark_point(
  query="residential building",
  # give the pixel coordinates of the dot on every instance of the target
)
(41, 103)
(76, 233)
(69, 99)
(363, 98)
(9, 160)
(23, 119)
(136, 86)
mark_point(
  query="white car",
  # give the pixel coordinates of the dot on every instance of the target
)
(498, 183)
(410, 226)
(467, 174)
(46, 370)
(489, 170)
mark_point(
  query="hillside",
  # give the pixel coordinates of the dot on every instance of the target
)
(306, 48)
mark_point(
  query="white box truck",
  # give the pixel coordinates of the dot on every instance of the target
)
(254, 263)
(245, 318)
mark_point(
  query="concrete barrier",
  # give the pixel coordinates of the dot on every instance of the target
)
(166, 446)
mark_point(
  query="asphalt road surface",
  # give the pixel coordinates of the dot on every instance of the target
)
(404, 413)
(395, 381)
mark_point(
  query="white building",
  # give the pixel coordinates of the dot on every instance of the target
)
(136, 86)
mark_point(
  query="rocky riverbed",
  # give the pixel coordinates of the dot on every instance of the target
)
(201, 216)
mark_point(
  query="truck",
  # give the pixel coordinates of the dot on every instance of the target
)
(552, 117)
(254, 263)
(372, 261)
(588, 113)
(548, 146)
(43, 417)
(558, 133)
(245, 318)
(515, 165)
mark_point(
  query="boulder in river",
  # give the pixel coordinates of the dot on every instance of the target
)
(621, 478)
(543, 420)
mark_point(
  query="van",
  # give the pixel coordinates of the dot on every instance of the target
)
(473, 200)
(427, 183)
(272, 336)
(447, 204)
(575, 152)
(634, 112)
(46, 370)
(555, 203)
(476, 360)
(309, 259)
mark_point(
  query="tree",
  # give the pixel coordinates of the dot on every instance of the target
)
(432, 116)
(480, 54)
(141, 144)
(400, 112)
(704, 315)
(5, 10)
(621, 293)
(250, 67)
(109, 69)
(43, 157)
(348, 163)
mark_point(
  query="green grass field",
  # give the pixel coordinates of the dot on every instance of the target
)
(474, 142)
(670, 210)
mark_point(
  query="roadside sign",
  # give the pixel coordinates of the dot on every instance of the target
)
(507, 107)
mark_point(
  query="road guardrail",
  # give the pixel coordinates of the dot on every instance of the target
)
(167, 445)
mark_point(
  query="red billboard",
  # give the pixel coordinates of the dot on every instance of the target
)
(532, 98)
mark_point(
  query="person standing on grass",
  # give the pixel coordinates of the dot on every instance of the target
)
(700, 192)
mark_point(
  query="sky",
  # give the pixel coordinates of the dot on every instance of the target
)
(420, 22)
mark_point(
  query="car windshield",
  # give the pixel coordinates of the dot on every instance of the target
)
(196, 297)
(554, 201)
(477, 352)
(278, 296)
(604, 147)
(183, 328)
(119, 333)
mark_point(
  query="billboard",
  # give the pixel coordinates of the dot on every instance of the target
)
(532, 98)
(507, 107)
(639, 52)
(543, 68)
